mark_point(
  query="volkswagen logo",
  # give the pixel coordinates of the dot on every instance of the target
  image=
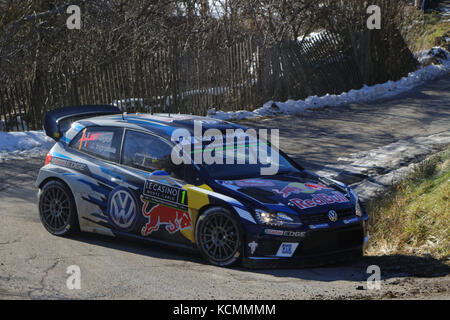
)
(122, 209)
(332, 215)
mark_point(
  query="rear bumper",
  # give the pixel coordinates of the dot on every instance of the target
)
(312, 248)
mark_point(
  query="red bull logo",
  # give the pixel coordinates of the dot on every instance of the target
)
(297, 188)
(320, 199)
(174, 219)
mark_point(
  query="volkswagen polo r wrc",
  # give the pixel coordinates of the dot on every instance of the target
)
(112, 173)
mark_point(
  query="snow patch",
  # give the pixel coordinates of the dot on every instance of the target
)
(128, 104)
(381, 167)
(311, 36)
(22, 145)
(440, 54)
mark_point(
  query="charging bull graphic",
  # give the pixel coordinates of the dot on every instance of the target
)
(297, 188)
(174, 219)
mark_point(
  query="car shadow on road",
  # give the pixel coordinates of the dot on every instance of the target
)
(391, 266)
(137, 246)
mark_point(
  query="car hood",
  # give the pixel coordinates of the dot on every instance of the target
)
(299, 193)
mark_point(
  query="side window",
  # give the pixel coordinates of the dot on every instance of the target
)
(149, 153)
(100, 142)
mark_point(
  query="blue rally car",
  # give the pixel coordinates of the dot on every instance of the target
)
(112, 173)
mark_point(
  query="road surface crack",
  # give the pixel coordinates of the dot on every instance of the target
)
(53, 266)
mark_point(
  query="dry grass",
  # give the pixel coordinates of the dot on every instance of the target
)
(413, 217)
(424, 31)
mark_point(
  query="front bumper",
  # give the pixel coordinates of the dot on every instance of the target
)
(303, 262)
(308, 248)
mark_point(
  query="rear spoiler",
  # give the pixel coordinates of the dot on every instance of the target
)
(58, 121)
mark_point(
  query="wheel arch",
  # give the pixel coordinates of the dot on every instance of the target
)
(72, 194)
(218, 204)
(221, 204)
(224, 205)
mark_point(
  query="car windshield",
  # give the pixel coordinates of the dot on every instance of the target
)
(241, 159)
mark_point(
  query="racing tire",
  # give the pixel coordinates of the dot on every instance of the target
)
(219, 237)
(57, 209)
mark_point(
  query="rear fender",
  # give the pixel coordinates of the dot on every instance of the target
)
(72, 178)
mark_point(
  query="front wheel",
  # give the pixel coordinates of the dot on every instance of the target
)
(57, 209)
(218, 237)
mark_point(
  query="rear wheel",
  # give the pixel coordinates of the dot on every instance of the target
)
(57, 209)
(218, 237)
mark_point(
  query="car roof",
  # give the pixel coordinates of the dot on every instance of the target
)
(162, 124)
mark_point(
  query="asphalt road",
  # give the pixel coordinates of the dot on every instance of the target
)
(319, 138)
(33, 264)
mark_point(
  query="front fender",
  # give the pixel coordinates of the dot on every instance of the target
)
(202, 197)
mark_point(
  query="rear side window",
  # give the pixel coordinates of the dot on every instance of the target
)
(100, 142)
(149, 153)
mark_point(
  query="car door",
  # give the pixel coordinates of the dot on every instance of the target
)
(99, 149)
(163, 201)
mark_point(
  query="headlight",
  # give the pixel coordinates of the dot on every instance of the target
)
(278, 219)
(358, 209)
(358, 205)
